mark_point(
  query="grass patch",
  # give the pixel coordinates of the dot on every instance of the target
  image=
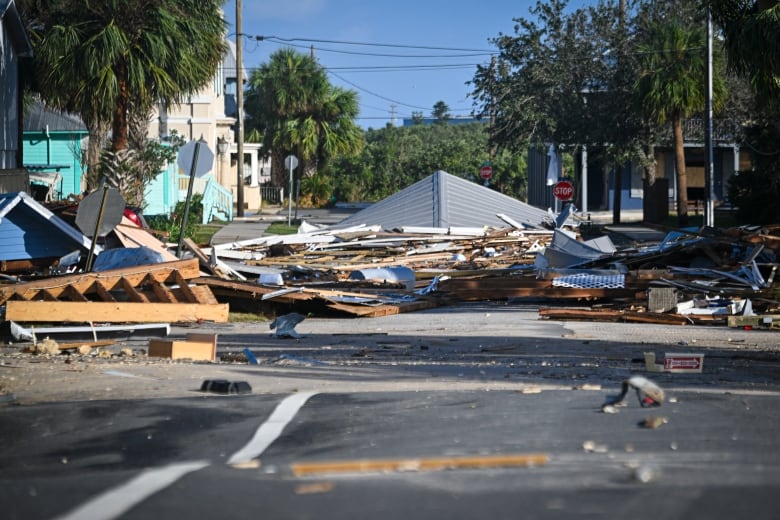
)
(203, 232)
(245, 317)
(281, 228)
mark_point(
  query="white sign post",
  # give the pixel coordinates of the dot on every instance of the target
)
(290, 162)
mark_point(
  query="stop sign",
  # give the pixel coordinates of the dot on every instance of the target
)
(563, 190)
(486, 171)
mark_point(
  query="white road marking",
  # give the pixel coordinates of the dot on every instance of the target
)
(118, 500)
(270, 430)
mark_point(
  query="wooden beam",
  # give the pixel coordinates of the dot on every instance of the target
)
(115, 312)
(134, 295)
(163, 294)
(104, 294)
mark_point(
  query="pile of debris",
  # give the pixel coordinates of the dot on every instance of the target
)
(686, 276)
(690, 276)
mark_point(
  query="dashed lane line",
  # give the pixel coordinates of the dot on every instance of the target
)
(118, 500)
(270, 430)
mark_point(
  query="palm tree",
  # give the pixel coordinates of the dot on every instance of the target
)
(102, 58)
(671, 87)
(293, 105)
(752, 38)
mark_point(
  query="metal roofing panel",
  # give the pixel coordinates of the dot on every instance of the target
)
(445, 200)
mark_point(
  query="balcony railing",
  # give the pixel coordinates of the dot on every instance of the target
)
(724, 131)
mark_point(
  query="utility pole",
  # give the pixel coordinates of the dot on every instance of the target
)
(392, 114)
(492, 109)
(240, 115)
(709, 184)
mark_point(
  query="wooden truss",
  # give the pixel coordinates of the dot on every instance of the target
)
(142, 294)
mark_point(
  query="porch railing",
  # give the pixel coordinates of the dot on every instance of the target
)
(217, 201)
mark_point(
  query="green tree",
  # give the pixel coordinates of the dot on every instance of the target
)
(110, 61)
(671, 86)
(564, 76)
(99, 59)
(752, 39)
(441, 112)
(395, 158)
(291, 103)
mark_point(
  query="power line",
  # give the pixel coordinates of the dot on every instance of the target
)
(382, 54)
(369, 44)
(374, 93)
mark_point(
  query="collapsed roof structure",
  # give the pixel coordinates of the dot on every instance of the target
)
(443, 200)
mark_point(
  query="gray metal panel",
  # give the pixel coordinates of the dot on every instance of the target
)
(38, 117)
(444, 200)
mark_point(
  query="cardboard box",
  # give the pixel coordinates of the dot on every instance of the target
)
(200, 347)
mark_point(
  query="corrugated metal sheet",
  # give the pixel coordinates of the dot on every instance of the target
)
(444, 200)
(38, 117)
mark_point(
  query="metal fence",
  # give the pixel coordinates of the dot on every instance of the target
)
(271, 194)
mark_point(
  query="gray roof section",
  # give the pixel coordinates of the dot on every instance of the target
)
(37, 117)
(444, 200)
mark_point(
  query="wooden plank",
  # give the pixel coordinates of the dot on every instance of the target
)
(184, 287)
(613, 315)
(46, 296)
(134, 295)
(103, 293)
(114, 312)
(163, 294)
(766, 320)
(75, 295)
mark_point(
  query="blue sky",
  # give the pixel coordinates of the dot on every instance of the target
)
(452, 24)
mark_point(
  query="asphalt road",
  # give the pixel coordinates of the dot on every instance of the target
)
(478, 411)
(364, 456)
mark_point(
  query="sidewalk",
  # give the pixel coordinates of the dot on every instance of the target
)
(254, 225)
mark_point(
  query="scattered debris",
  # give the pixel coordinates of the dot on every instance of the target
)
(201, 347)
(285, 325)
(223, 386)
(652, 422)
(648, 393)
(593, 447)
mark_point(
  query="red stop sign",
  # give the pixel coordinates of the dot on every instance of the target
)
(564, 190)
(486, 172)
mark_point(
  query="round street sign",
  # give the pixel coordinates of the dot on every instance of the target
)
(290, 162)
(486, 171)
(89, 211)
(563, 190)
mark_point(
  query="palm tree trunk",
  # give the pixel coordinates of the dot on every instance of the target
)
(119, 127)
(682, 178)
(617, 194)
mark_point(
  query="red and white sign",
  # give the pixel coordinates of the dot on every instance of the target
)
(486, 171)
(679, 363)
(675, 363)
(563, 190)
